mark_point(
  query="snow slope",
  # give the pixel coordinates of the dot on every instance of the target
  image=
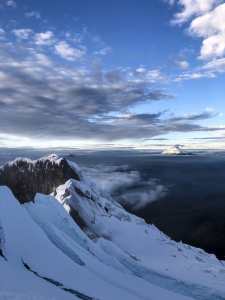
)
(46, 255)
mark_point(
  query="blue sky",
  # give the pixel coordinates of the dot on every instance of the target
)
(112, 73)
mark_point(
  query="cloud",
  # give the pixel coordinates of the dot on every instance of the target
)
(214, 46)
(23, 33)
(33, 14)
(208, 114)
(192, 8)
(40, 98)
(103, 51)
(125, 185)
(44, 99)
(208, 70)
(209, 138)
(44, 38)
(211, 27)
(206, 18)
(216, 65)
(2, 34)
(152, 75)
(182, 64)
(170, 2)
(11, 3)
(157, 139)
(137, 200)
(67, 52)
(194, 75)
(113, 179)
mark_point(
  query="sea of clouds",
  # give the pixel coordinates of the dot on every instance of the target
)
(125, 185)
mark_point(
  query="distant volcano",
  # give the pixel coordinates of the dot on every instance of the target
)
(175, 150)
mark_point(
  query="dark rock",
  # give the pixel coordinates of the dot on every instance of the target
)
(26, 177)
(77, 218)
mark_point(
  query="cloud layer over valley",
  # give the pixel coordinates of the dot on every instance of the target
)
(126, 186)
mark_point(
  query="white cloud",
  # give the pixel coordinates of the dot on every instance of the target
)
(182, 64)
(2, 34)
(211, 27)
(206, 20)
(125, 185)
(67, 52)
(42, 59)
(208, 70)
(210, 23)
(23, 33)
(147, 75)
(11, 3)
(194, 75)
(44, 38)
(171, 2)
(213, 46)
(104, 51)
(216, 65)
(137, 200)
(191, 8)
(33, 14)
(110, 179)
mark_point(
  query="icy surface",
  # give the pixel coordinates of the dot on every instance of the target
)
(114, 256)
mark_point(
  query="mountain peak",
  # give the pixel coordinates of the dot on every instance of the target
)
(26, 177)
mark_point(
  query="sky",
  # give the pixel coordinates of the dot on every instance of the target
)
(114, 74)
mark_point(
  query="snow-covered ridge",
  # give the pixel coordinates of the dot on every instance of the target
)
(81, 244)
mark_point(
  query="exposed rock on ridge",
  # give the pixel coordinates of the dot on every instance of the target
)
(27, 177)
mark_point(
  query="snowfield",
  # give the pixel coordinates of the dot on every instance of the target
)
(102, 253)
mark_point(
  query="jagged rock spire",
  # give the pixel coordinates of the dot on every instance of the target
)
(27, 177)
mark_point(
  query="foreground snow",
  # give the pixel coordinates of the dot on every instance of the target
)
(115, 255)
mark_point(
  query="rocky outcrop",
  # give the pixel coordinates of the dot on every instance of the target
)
(1, 240)
(27, 177)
